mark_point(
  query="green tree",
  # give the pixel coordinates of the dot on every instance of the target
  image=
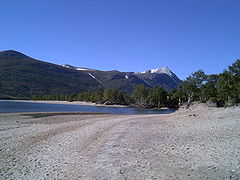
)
(97, 96)
(113, 96)
(177, 96)
(235, 71)
(108, 95)
(225, 86)
(157, 97)
(209, 89)
(190, 88)
(140, 95)
(235, 68)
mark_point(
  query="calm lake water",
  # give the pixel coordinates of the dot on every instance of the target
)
(7, 106)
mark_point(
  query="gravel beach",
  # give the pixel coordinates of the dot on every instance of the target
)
(198, 143)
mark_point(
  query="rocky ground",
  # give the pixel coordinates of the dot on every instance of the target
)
(199, 143)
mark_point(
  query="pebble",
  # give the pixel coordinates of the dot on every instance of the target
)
(121, 171)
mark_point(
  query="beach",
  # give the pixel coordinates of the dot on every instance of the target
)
(196, 143)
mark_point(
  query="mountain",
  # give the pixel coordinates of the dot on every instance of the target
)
(112, 79)
(22, 76)
(163, 77)
(160, 77)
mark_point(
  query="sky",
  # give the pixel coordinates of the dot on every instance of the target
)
(126, 35)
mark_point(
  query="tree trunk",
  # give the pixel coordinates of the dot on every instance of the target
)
(190, 97)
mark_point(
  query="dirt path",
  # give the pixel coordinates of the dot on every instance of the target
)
(194, 144)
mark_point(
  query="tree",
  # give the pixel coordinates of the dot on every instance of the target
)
(113, 96)
(190, 88)
(225, 86)
(140, 95)
(177, 96)
(109, 96)
(228, 85)
(157, 97)
(97, 96)
(120, 97)
(209, 89)
(234, 69)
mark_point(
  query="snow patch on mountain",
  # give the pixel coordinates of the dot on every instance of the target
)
(67, 66)
(162, 70)
(95, 78)
(77, 68)
(81, 69)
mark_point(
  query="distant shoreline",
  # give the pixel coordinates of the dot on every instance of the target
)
(83, 103)
(67, 102)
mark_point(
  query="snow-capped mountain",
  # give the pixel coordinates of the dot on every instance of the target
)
(114, 79)
(30, 77)
(160, 77)
(162, 70)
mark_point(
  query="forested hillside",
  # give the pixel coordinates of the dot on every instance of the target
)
(216, 89)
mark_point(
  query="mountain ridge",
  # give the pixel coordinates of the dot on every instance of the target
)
(23, 76)
(154, 77)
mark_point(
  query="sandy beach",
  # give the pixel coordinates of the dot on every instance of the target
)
(198, 143)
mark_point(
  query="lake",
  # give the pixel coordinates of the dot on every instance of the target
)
(7, 106)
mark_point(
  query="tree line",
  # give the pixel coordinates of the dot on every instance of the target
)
(107, 96)
(222, 89)
(141, 97)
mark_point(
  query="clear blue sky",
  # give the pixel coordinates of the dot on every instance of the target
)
(127, 35)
